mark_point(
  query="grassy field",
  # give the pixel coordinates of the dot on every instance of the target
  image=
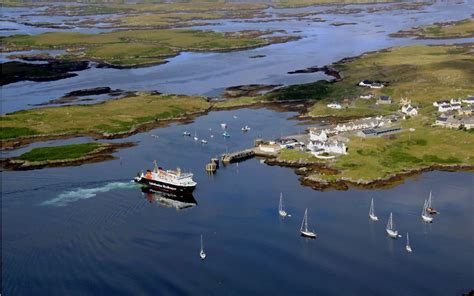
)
(133, 47)
(458, 29)
(421, 73)
(304, 3)
(59, 152)
(113, 116)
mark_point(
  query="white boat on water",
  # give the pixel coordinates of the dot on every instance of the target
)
(201, 253)
(195, 137)
(408, 247)
(304, 227)
(281, 211)
(372, 212)
(390, 228)
(187, 134)
(424, 213)
(245, 128)
(203, 141)
(223, 125)
(429, 206)
(235, 116)
(226, 134)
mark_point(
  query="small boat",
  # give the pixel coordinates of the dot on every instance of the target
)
(203, 141)
(212, 136)
(155, 136)
(201, 253)
(281, 211)
(235, 116)
(429, 207)
(424, 213)
(223, 125)
(195, 137)
(304, 227)
(226, 134)
(187, 134)
(408, 247)
(245, 128)
(372, 212)
(390, 228)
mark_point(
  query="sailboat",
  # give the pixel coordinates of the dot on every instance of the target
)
(201, 253)
(408, 247)
(195, 136)
(223, 125)
(304, 227)
(226, 135)
(282, 212)
(204, 141)
(245, 128)
(424, 213)
(390, 228)
(372, 212)
(429, 207)
(187, 134)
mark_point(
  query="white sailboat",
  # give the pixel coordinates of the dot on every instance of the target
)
(281, 211)
(424, 213)
(304, 227)
(372, 211)
(201, 253)
(195, 136)
(390, 227)
(203, 141)
(429, 206)
(408, 247)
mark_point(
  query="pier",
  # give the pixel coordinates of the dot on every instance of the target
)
(236, 156)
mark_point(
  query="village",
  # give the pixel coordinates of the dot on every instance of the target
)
(330, 141)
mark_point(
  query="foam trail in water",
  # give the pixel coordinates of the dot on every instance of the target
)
(67, 197)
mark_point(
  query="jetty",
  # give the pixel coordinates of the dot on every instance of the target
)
(237, 156)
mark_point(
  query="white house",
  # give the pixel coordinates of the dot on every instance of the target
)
(439, 103)
(366, 83)
(455, 101)
(456, 106)
(466, 110)
(445, 107)
(376, 85)
(469, 100)
(315, 136)
(330, 146)
(468, 123)
(334, 106)
(367, 96)
(409, 110)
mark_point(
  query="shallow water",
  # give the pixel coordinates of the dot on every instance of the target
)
(88, 230)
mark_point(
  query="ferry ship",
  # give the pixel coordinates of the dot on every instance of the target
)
(170, 181)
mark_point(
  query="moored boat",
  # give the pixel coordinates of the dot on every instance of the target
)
(424, 213)
(304, 227)
(391, 228)
(170, 181)
(372, 212)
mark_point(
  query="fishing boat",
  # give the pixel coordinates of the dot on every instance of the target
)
(203, 141)
(245, 128)
(408, 247)
(372, 212)
(201, 253)
(225, 134)
(223, 125)
(390, 228)
(170, 181)
(281, 211)
(304, 227)
(195, 137)
(429, 206)
(424, 213)
(187, 134)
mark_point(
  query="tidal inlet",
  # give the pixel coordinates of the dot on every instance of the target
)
(226, 147)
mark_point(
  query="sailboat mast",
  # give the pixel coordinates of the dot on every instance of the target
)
(389, 224)
(202, 246)
(371, 211)
(408, 240)
(306, 220)
(428, 204)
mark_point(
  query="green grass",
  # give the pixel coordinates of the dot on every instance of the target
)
(59, 152)
(133, 47)
(15, 132)
(459, 29)
(113, 116)
(296, 155)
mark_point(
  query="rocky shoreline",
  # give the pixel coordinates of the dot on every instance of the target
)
(305, 171)
(100, 154)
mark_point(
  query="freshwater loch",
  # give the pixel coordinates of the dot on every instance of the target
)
(89, 230)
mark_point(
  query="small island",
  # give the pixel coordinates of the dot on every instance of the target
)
(456, 29)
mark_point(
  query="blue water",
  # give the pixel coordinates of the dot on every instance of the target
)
(87, 230)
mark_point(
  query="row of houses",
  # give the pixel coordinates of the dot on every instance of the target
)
(328, 146)
(451, 122)
(409, 110)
